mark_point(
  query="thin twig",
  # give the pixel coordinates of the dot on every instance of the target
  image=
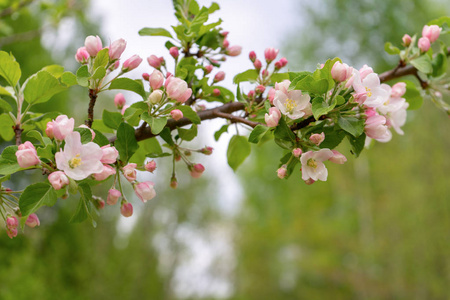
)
(93, 97)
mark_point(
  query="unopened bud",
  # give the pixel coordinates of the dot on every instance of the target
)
(131, 63)
(423, 44)
(119, 101)
(155, 97)
(207, 150)
(176, 114)
(216, 92)
(82, 55)
(196, 170)
(406, 40)
(297, 152)
(317, 138)
(252, 56)
(257, 64)
(282, 172)
(146, 76)
(270, 54)
(225, 44)
(219, 76)
(174, 52)
(113, 196)
(260, 89)
(126, 209)
(173, 182)
(150, 166)
(208, 69)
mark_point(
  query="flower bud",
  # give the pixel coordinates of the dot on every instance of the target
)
(252, 56)
(317, 138)
(119, 101)
(110, 154)
(219, 76)
(260, 89)
(155, 97)
(156, 79)
(270, 54)
(82, 55)
(283, 61)
(364, 71)
(257, 64)
(216, 92)
(398, 90)
(12, 222)
(251, 94)
(337, 158)
(113, 196)
(107, 171)
(273, 117)
(176, 114)
(309, 181)
(116, 49)
(131, 63)
(177, 89)
(206, 150)
(49, 130)
(341, 72)
(271, 95)
(154, 61)
(225, 44)
(129, 171)
(234, 51)
(406, 40)
(282, 172)
(431, 32)
(62, 126)
(99, 203)
(196, 170)
(208, 69)
(58, 180)
(32, 221)
(12, 232)
(93, 45)
(27, 155)
(423, 44)
(174, 52)
(173, 182)
(150, 166)
(145, 191)
(126, 209)
(297, 152)
(224, 34)
(265, 73)
(277, 65)
(146, 76)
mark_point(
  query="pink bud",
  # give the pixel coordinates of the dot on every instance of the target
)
(116, 49)
(216, 92)
(146, 76)
(207, 150)
(341, 72)
(58, 180)
(277, 65)
(252, 56)
(129, 171)
(27, 155)
(423, 44)
(224, 33)
(62, 126)
(398, 90)
(251, 94)
(364, 71)
(154, 61)
(406, 40)
(156, 79)
(196, 170)
(257, 64)
(82, 55)
(219, 76)
(176, 114)
(150, 166)
(12, 222)
(12, 232)
(99, 203)
(173, 183)
(107, 171)
(337, 158)
(431, 32)
(119, 100)
(126, 209)
(131, 63)
(309, 181)
(49, 130)
(265, 73)
(283, 61)
(145, 191)
(113, 196)
(177, 89)
(32, 221)
(174, 52)
(225, 43)
(93, 45)
(124, 108)
(260, 89)
(116, 65)
(234, 51)
(110, 154)
(317, 138)
(270, 54)
(208, 69)
(271, 95)
(273, 117)
(297, 152)
(282, 172)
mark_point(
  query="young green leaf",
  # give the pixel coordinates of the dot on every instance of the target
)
(9, 68)
(156, 124)
(112, 119)
(155, 32)
(423, 64)
(126, 142)
(189, 113)
(249, 75)
(352, 125)
(36, 195)
(129, 85)
(8, 161)
(41, 87)
(257, 133)
(238, 150)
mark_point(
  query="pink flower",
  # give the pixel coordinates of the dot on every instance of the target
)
(364, 71)
(93, 45)
(312, 164)
(283, 62)
(270, 54)
(82, 55)
(12, 232)
(423, 44)
(156, 79)
(282, 172)
(116, 49)
(154, 61)
(177, 89)
(297, 152)
(196, 170)
(126, 209)
(271, 95)
(369, 91)
(119, 100)
(406, 40)
(110, 154)
(176, 114)
(129, 171)
(62, 126)
(208, 69)
(257, 64)
(145, 191)
(32, 221)
(398, 89)
(234, 50)
(291, 103)
(260, 89)
(150, 166)
(273, 117)
(49, 130)
(219, 76)
(155, 96)
(337, 158)
(107, 171)
(113, 196)
(317, 138)
(79, 161)
(146, 76)
(252, 56)
(174, 52)
(131, 63)
(12, 222)
(431, 32)
(377, 129)
(58, 180)
(341, 72)
(27, 155)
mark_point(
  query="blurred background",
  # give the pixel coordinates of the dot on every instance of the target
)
(379, 228)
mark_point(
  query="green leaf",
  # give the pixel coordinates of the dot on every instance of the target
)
(166, 135)
(214, 6)
(357, 143)
(187, 134)
(85, 134)
(225, 95)
(46, 152)
(36, 135)
(126, 142)
(440, 21)
(391, 49)
(439, 63)
(352, 125)
(249, 75)
(157, 155)
(83, 76)
(320, 107)
(200, 19)
(8, 161)
(9, 68)
(41, 87)
(423, 64)
(155, 32)
(99, 73)
(100, 126)
(278, 77)
(112, 119)
(257, 133)
(311, 85)
(84, 206)
(333, 137)
(6, 92)
(55, 70)
(6, 127)
(412, 96)
(129, 85)
(69, 79)
(102, 59)
(238, 150)
(132, 115)
(283, 132)
(100, 139)
(189, 113)
(36, 195)
(145, 147)
(219, 132)
(156, 124)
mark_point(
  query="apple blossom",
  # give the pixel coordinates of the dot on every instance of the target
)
(12, 222)
(119, 100)
(174, 52)
(145, 190)
(252, 56)
(82, 55)
(156, 79)
(131, 63)
(109, 155)
(107, 171)
(27, 155)
(113, 196)
(369, 91)
(177, 89)
(341, 72)
(257, 64)
(270, 54)
(58, 180)
(32, 221)
(207, 150)
(176, 114)
(116, 49)
(291, 103)
(208, 69)
(150, 166)
(154, 61)
(282, 172)
(431, 32)
(196, 170)
(297, 152)
(49, 130)
(12, 232)
(93, 45)
(423, 44)
(312, 164)
(376, 128)
(155, 97)
(124, 108)
(317, 138)
(129, 171)
(62, 126)
(273, 117)
(406, 40)
(398, 89)
(219, 76)
(126, 209)
(271, 95)
(337, 158)
(146, 76)
(225, 43)
(234, 50)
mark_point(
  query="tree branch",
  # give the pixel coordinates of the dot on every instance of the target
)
(93, 97)
(8, 11)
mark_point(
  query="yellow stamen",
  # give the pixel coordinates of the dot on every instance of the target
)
(290, 105)
(312, 163)
(369, 93)
(75, 162)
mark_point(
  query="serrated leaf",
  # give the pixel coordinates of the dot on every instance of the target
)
(279, 77)
(352, 125)
(126, 142)
(357, 144)
(187, 134)
(257, 133)
(189, 113)
(5, 92)
(6, 127)
(69, 79)
(167, 136)
(391, 49)
(219, 132)
(85, 134)
(84, 208)
(41, 87)
(46, 152)
(249, 75)
(311, 85)
(102, 59)
(238, 150)
(213, 7)
(439, 64)
(100, 126)
(155, 32)
(8, 161)
(83, 76)
(200, 19)
(320, 107)
(36, 135)
(99, 73)
(423, 64)
(145, 147)
(156, 124)
(283, 132)
(132, 115)
(129, 85)
(9, 68)
(112, 119)
(36, 195)
(100, 139)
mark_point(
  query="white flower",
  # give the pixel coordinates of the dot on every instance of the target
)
(312, 164)
(291, 103)
(369, 91)
(79, 161)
